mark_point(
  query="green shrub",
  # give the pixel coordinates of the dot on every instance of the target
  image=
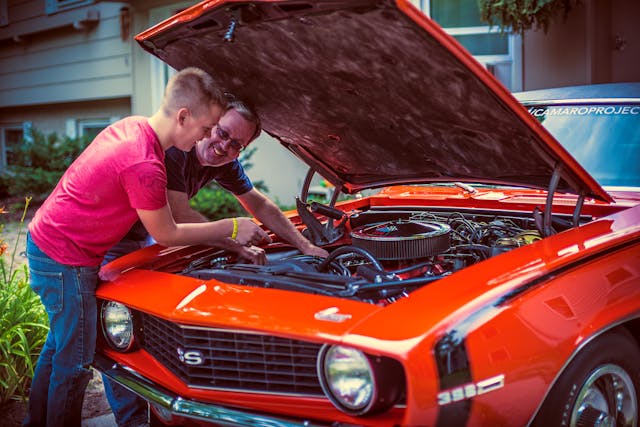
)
(518, 16)
(216, 203)
(39, 163)
(23, 323)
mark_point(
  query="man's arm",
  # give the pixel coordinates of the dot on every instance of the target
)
(270, 215)
(183, 213)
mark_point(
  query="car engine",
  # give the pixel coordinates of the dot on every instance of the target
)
(391, 252)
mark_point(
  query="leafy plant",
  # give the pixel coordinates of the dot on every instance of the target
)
(23, 322)
(39, 163)
(215, 203)
(517, 16)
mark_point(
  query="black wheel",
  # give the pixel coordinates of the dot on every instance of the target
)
(599, 388)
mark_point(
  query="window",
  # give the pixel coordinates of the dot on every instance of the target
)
(76, 128)
(53, 6)
(603, 138)
(11, 138)
(499, 53)
(4, 13)
(91, 127)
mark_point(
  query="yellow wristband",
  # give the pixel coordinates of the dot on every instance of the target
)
(234, 233)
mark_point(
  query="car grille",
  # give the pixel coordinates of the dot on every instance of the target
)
(222, 359)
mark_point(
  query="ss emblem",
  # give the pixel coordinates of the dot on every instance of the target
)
(190, 357)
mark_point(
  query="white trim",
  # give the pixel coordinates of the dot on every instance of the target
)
(27, 131)
(160, 71)
(515, 47)
(70, 128)
(471, 31)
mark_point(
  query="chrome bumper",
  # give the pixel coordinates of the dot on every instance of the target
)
(176, 405)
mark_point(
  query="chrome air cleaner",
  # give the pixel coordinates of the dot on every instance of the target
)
(402, 239)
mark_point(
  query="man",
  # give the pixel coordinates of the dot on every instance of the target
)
(214, 158)
(118, 178)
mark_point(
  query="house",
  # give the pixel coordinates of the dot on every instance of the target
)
(72, 67)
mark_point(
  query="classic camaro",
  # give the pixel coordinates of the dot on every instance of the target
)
(489, 274)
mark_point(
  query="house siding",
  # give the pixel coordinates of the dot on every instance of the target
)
(59, 63)
(53, 118)
(581, 50)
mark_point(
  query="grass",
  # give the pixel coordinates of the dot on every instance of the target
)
(23, 321)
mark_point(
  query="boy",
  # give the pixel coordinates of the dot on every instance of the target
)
(119, 178)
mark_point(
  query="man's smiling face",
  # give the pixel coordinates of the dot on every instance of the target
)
(232, 133)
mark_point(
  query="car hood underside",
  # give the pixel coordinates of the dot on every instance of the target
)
(366, 94)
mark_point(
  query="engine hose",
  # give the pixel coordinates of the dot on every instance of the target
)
(346, 250)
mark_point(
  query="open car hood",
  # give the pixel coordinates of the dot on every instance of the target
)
(369, 93)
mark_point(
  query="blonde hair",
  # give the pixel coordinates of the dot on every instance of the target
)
(191, 88)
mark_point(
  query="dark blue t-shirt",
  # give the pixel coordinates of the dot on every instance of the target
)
(187, 175)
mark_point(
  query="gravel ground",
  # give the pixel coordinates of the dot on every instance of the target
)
(95, 404)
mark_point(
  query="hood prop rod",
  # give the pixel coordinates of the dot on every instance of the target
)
(553, 186)
(544, 224)
(317, 233)
(578, 209)
(543, 220)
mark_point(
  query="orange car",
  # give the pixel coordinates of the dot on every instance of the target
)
(492, 278)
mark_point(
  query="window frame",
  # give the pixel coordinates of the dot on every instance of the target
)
(75, 127)
(22, 127)
(513, 58)
(83, 124)
(54, 6)
(4, 13)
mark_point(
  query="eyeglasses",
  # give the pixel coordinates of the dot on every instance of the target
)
(233, 143)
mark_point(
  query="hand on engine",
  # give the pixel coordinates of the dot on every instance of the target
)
(249, 233)
(253, 254)
(313, 250)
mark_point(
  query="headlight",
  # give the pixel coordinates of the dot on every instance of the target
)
(117, 325)
(357, 383)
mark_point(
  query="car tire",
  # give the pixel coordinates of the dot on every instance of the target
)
(588, 391)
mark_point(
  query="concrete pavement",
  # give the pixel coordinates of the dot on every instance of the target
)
(106, 420)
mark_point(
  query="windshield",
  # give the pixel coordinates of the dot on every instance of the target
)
(604, 138)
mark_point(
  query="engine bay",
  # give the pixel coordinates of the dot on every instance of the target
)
(389, 252)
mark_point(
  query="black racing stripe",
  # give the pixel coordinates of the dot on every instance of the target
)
(454, 414)
(452, 358)
(454, 369)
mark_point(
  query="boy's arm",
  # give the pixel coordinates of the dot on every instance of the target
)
(164, 230)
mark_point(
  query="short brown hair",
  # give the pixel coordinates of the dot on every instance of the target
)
(191, 88)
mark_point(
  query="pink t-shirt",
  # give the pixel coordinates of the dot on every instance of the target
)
(94, 204)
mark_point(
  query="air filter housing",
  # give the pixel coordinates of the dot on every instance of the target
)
(403, 239)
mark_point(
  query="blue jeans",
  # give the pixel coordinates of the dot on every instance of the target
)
(62, 373)
(129, 409)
